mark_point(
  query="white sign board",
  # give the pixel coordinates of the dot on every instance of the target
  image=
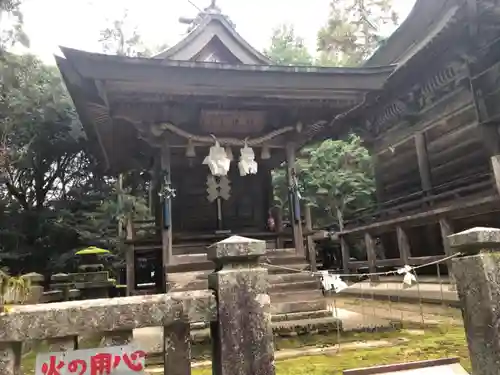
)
(114, 360)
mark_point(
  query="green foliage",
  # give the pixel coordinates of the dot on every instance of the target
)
(352, 32)
(288, 49)
(335, 177)
(53, 199)
(341, 175)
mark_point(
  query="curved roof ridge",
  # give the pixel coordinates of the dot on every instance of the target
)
(207, 19)
(411, 32)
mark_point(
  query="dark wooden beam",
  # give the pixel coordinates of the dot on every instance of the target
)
(449, 106)
(294, 204)
(346, 255)
(423, 162)
(488, 203)
(403, 245)
(370, 254)
(311, 248)
(446, 227)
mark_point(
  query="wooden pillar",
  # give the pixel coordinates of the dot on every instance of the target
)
(423, 162)
(311, 248)
(130, 257)
(403, 245)
(379, 188)
(119, 188)
(166, 230)
(447, 230)
(491, 142)
(346, 255)
(278, 221)
(371, 255)
(298, 239)
(156, 183)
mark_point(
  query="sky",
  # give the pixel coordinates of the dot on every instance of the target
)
(77, 23)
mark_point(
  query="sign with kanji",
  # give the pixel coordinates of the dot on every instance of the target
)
(232, 122)
(115, 360)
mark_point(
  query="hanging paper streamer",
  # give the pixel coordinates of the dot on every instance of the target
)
(332, 282)
(409, 278)
(247, 164)
(217, 160)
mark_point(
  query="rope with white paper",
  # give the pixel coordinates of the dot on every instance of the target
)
(157, 129)
(333, 281)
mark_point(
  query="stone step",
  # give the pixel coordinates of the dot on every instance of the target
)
(276, 256)
(307, 326)
(295, 286)
(299, 295)
(302, 315)
(151, 339)
(291, 277)
(298, 306)
(281, 265)
(278, 283)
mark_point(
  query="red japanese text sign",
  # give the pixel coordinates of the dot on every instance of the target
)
(115, 360)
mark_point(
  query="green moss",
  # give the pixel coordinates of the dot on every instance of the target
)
(433, 344)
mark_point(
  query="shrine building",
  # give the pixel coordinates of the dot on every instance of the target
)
(209, 118)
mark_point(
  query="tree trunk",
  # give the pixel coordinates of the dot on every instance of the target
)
(340, 218)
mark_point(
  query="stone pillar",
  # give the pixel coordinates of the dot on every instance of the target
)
(36, 287)
(477, 275)
(242, 337)
(10, 358)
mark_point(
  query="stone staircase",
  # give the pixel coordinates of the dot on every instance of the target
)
(298, 305)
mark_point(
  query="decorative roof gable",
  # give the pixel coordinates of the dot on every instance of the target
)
(214, 39)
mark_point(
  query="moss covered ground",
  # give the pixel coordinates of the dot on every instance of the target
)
(432, 343)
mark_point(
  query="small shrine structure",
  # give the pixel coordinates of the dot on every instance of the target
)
(209, 119)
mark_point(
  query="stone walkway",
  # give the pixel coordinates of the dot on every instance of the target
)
(427, 292)
(151, 339)
(419, 313)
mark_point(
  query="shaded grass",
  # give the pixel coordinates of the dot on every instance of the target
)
(431, 343)
(434, 343)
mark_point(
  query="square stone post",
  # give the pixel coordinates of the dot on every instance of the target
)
(477, 276)
(242, 338)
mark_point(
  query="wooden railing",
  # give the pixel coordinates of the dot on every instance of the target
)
(238, 308)
(405, 204)
(394, 262)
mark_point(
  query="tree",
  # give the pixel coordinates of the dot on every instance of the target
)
(353, 30)
(123, 39)
(335, 177)
(53, 198)
(341, 176)
(286, 48)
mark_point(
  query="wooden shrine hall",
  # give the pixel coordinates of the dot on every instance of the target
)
(210, 118)
(433, 132)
